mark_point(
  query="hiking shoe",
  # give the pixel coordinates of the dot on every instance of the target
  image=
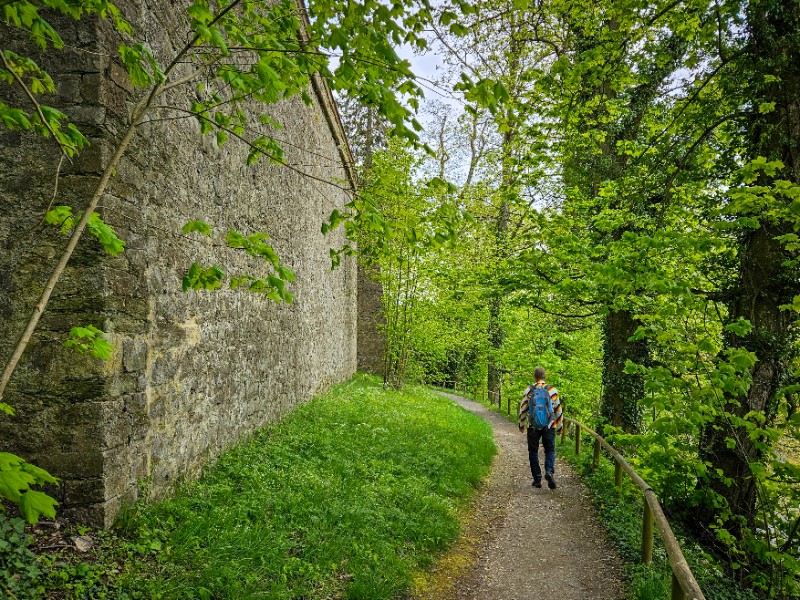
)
(537, 483)
(551, 481)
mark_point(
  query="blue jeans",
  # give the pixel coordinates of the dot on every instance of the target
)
(548, 437)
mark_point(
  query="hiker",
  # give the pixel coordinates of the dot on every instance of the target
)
(540, 410)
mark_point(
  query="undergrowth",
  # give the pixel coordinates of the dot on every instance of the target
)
(620, 512)
(345, 498)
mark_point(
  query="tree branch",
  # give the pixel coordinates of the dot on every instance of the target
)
(63, 147)
(251, 145)
(137, 117)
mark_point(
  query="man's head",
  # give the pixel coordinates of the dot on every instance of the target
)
(539, 373)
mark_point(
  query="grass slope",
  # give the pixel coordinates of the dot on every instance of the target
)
(345, 498)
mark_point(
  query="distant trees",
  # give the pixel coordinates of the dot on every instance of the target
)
(640, 187)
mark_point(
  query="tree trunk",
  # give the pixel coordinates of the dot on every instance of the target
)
(495, 333)
(622, 391)
(764, 282)
(761, 289)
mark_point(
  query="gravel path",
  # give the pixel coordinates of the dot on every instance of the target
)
(503, 555)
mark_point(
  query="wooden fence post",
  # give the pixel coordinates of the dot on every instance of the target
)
(647, 534)
(677, 590)
(596, 455)
(564, 432)
(577, 440)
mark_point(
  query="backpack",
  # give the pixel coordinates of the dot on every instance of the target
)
(540, 407)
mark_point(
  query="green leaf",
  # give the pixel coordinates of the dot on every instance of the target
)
(203, 278)
(40, 476)
(60, 216)
(239, 281)
(447, 17)
(338, 39)
(234, 239)
(200, 13)
(218, 40)
(459, 30)
(741, 359)
(105, 234)
(14, 118)
(13, 481)
(34, 504)
(740, 328)
(631, 368)
(8, 460)
(134, 58)
(286, 273)
(706, 345)
(89, 340)
(200, 227)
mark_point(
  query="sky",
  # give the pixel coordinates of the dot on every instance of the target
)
(429, 67)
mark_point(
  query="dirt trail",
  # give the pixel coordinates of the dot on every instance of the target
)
(503, 555)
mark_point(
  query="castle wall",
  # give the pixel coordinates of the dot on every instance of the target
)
(192, 372)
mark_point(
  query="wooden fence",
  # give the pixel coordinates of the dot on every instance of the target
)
(684, 586)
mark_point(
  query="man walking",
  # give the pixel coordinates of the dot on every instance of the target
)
(540, 410)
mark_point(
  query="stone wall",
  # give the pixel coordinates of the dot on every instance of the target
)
(191, 372)
(371, 320)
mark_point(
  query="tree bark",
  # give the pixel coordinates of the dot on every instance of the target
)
(764, 282)
(622, 391)
(496, 333)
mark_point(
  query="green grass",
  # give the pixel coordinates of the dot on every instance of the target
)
(346, 498)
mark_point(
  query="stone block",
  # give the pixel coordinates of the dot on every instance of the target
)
(90, 160)
(119, 478)
(164, 369)
(70, 465)
(130, 305)
(96, 515)
(11, 139)
(134, 354)
(90, 84)
(131, 324)
(78, 414)
(68, 88)
(158, 410)
(89, 119)
(115, 504)
(117, 75)
(118, 102)
(78, 492)
(122, 385)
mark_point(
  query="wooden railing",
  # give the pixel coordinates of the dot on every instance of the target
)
(684, 586)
